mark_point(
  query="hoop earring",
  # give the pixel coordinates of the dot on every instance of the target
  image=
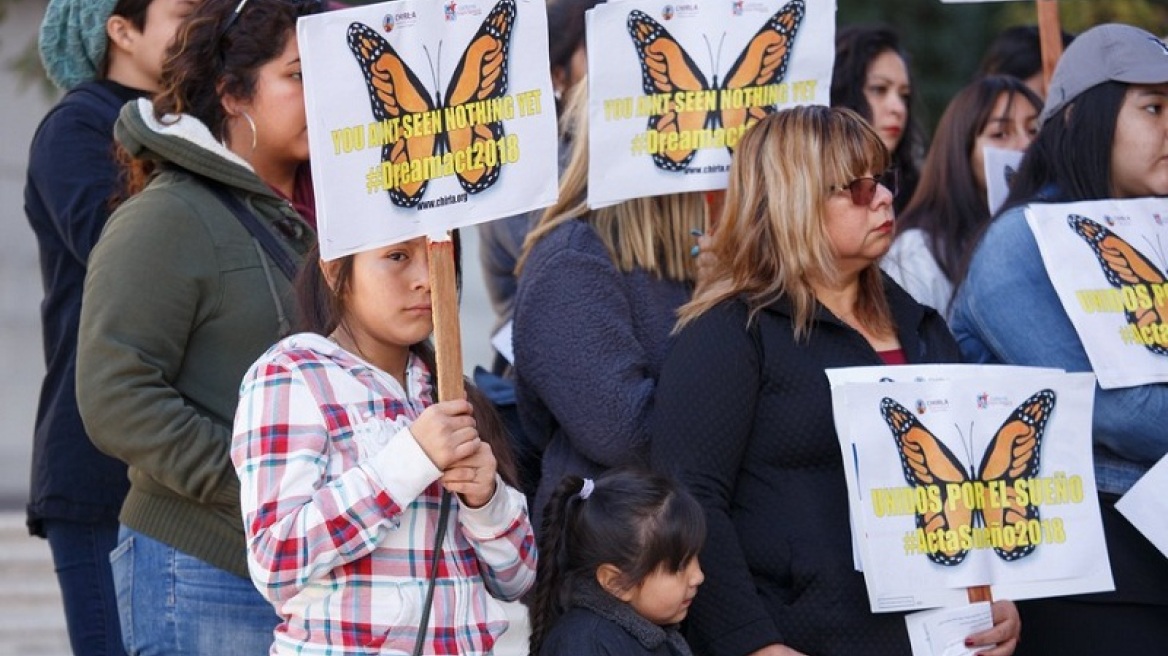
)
(251, 124)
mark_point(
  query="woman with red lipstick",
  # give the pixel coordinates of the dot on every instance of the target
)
(343, 456)
(871, 77)
(743, 412)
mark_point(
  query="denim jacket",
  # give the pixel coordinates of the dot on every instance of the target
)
(1007, 311)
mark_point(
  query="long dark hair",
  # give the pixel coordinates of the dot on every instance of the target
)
(321, 311)
(633, 519)
(206, 63)
(1070, 159)
(948, 205)
(855, 48)
(1072, 152)
(565, 23)
(566, 29)
(1017, 51)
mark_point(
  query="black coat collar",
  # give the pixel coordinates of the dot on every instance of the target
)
(589, 595)
(908, 315)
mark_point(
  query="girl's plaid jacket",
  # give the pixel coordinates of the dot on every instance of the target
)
(340, 506)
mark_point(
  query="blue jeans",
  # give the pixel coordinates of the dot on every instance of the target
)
(173, 603)
(81, 560)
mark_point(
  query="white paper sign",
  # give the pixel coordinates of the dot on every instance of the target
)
(1107, 260)
(501, 340)
(965, 481)
(425, 116)
(913, 373)
(999, 165)
(674, 85)
(1146, 505)
(943, 632)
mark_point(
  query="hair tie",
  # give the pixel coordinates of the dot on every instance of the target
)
(586, 489)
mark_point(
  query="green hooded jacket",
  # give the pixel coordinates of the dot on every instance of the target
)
(179, 301)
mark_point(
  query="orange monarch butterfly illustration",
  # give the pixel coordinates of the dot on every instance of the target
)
(1124, 266)
(1012, 454)
(395, 91)
(667, 68)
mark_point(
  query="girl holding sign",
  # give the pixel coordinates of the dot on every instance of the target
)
(343, 453)
(598, 295)
(180, 298)
(743, 412)
(1104, 134)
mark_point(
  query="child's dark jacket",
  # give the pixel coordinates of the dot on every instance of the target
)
(598, 624)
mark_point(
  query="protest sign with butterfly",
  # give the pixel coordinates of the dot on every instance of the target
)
(425, 116)
(967, 476)
(1108, 260)
(674, 85)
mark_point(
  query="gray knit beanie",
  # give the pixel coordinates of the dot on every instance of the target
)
(73, 40)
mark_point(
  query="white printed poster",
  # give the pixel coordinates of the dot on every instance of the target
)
(425, 116)
(674, 85)
(1107, 260)
(1145, 505)
(999, 166)
(964, 480)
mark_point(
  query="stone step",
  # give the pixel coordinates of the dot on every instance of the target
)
(31, 618)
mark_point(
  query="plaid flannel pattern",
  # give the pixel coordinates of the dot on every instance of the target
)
(340, 507)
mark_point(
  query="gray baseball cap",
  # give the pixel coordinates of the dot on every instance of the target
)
(1105, 53)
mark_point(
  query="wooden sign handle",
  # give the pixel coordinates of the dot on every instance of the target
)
(1050, 37)
(979, 593)
(444, 304)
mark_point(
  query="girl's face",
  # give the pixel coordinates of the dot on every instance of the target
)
(664, 597)
(147, 48)
(887, 91)
(387, 303)
(278, 109)
(859, 234)
(1012, 124)
(1139, 156)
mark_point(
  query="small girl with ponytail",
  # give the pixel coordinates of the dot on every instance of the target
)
(618, 566)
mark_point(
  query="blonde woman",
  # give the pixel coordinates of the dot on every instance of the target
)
(743, 410)
(598, 295)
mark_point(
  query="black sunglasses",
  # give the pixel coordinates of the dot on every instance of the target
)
(863, 190)
(309, 6)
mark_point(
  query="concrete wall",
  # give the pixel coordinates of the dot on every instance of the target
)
(21, 361)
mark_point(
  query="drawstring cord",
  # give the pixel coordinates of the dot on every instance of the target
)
(285, 326)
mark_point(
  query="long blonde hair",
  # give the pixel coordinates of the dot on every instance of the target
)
(771, 241)
(652, 233)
